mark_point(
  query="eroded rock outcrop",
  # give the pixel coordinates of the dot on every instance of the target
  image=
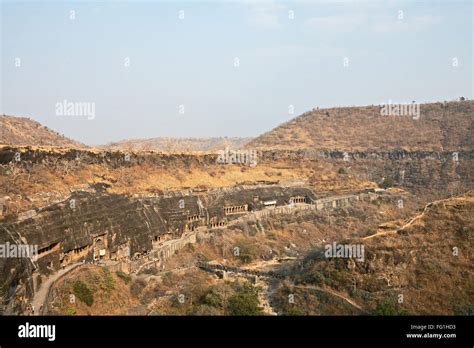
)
(91, 227)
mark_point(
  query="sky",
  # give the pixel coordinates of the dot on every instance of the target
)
(100, 72)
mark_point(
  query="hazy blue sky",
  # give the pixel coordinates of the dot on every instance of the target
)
(48, 57)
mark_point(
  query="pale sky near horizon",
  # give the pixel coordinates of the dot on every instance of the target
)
(301, 53)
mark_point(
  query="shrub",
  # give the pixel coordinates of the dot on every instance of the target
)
(386, 183)
(376, 202)
(342, 170)
(244, 302)
(389, 307)
(246, 253)
(70, 311)
(314, 278)
(463, 310)
(245, 258)
(83, 293)
(109, 281)
(211, 298)
(362, 294)
(124, 276)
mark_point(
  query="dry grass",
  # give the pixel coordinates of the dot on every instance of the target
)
(440, 127)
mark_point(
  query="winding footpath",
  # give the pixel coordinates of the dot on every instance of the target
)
(41, 296)
(334, 293)
(265, 299)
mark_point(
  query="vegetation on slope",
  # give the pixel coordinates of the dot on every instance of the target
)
(440, 126)
(424, 266)
(25, 131)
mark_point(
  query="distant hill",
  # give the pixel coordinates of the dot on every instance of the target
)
(25, 131)
(179, 144)
(440, 126)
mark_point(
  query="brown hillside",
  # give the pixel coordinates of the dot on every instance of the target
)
(108, 292)
(179, 144)
(440, 126)
(426, 259)
(25, 131)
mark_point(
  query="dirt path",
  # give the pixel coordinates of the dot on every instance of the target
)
(378, 234)
(41, 295)
(408, 224)
(265, 295)
(335, 293)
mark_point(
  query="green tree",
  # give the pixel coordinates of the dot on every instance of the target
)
(83, 292)
(389, 306)
(244, 302)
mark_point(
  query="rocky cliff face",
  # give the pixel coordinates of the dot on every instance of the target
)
(443, 170)
(114, 159)
(91, 227)
(97, 225)
(86, 227)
